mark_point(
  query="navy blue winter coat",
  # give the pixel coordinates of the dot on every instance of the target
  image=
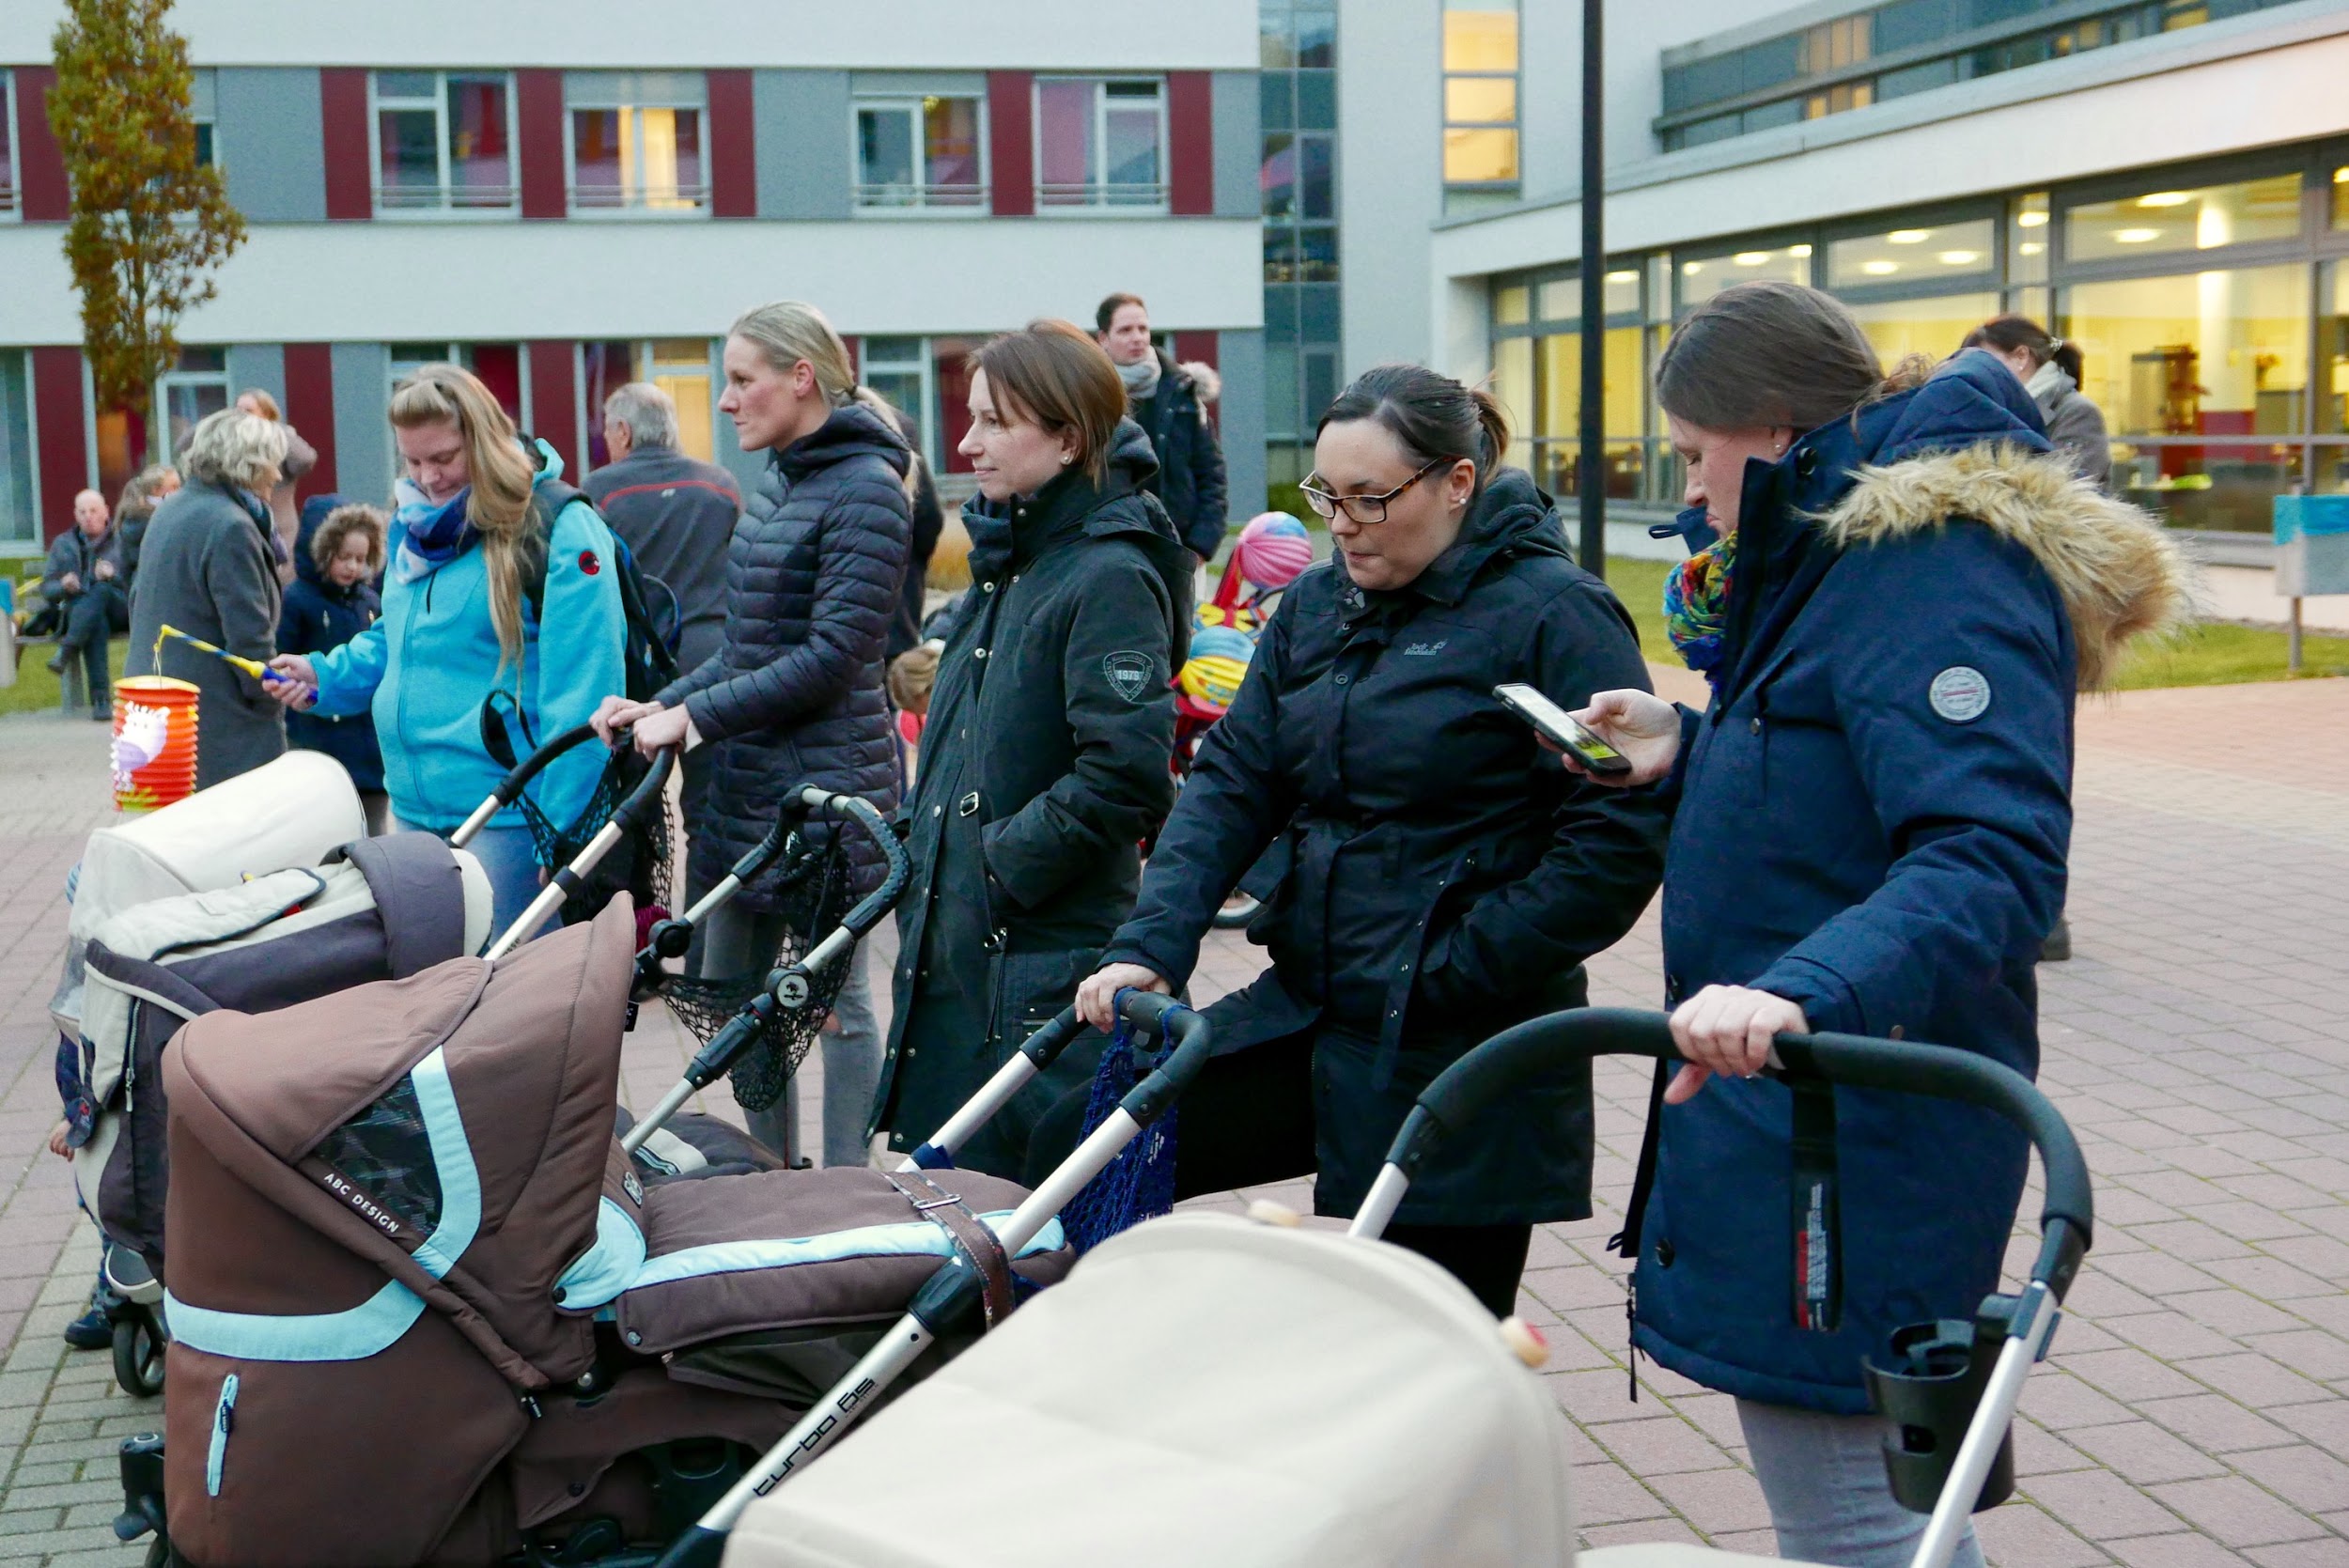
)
(1873, 820)
(317, 617)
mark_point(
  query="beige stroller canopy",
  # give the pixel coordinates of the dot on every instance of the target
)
(1202, 1391)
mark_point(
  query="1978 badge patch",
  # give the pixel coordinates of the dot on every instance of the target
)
(1128, 674)
(1960, 693)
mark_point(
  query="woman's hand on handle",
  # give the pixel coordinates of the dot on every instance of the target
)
(1096, 998)
(656, 727)
(1641, 725)
(615, 714)
(1728, 1029)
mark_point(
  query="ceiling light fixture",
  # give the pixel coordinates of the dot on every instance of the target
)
(2166, 198)
(2136, 235)
(1959, 258)
(1751, 258)
(1879, 269)
(2031, 218)
(1909, 235)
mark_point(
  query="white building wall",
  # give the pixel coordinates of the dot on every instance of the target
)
(962, 35)
(1390, 174)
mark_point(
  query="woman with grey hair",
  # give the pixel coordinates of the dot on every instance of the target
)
(207, 567)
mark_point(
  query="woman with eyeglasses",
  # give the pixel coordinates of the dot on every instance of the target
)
(1442, 877)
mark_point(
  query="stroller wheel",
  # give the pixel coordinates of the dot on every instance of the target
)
(1237, 910)
(139, 1353)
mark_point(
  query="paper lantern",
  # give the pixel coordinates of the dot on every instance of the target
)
(154, 746)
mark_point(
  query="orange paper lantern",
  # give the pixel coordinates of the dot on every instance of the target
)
(154, 755)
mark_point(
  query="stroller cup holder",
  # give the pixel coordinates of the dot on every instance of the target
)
(1928, 1385)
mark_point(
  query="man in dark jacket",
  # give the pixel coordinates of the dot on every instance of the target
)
(1043, 767)
(1164, 399)
(677, 516)
(79, 579)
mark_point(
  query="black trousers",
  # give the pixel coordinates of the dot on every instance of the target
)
(1248, 1121)
(91, 616)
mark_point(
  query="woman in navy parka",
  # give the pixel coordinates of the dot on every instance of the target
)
(1901, 592)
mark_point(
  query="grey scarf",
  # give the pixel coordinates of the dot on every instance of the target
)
(1141, 378)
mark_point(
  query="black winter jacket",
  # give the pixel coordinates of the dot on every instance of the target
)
(676, 515)
(794, 696)
(1191, 477)
(1440, 875)
(1044, 766)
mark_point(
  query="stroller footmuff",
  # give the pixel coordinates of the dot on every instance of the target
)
(429, 1312)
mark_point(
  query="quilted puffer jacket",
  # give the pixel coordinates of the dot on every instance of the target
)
(794, 694)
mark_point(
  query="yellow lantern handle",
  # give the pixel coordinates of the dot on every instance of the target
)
(253, 667)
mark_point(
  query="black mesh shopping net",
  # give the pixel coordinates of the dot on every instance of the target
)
(811, 892)
(637, 865)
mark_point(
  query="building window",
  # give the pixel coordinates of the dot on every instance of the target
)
(679, 367)
(1100, 144)
(1480, 100)
(1702, 276)
(201, 100)
(1916, 254)
(926, 152)
(8, 144)
(2184, 220)
(444, 142)
(197, 386)
(499, 367)
(636, 142)
(20, 523)
(901, 370)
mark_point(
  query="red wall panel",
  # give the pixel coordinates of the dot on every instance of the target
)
(41, 193)
(1190, 142)
(343, 137)
(731, 145)
(539, 103)
(310, 409)
(1199, 346)
(1011, 142)
(554, 401)
(58, 410)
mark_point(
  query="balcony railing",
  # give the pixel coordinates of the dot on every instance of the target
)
(899, 198)
(1102, 195)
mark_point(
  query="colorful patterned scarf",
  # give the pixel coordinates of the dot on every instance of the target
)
(1696, 605)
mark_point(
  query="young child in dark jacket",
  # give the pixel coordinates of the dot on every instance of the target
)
(337, 556)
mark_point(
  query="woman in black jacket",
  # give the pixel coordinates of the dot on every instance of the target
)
(1442, 877)
(1044, 758)
(794, 694)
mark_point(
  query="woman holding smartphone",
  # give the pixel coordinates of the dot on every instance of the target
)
(1442, 877)
(1900, 589)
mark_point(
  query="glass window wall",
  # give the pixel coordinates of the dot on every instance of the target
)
(1700, 277)
(2209, 218)
(20, 523)
(8, 144)
(1100, 144)
(1480, 102)
(444, 141)
(636, 142)
(198, 386)
(1913, 254)
(924, 153)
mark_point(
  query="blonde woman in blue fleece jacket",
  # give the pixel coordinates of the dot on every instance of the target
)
(457, 626)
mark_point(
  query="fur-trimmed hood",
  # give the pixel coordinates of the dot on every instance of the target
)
(2120, 574)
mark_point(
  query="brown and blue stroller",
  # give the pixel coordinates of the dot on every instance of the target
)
(427, 1309)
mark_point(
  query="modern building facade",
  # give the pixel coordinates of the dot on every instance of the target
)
(2166, 184)
(566, 209)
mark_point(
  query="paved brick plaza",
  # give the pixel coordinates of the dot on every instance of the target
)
(2193, 1414)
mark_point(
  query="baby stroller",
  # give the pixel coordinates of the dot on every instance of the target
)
(371, 910)
(427, 1308)
(1205, 1389)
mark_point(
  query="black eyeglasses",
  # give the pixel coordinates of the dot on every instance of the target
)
(1363, 508)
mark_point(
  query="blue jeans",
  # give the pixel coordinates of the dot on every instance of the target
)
(1829, 1501)
(510, 859)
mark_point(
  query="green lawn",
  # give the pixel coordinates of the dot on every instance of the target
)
(36, 688)
(2212, 654)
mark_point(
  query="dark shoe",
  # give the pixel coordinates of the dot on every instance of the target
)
(2057, 948)
(57, 663)
(104, 711)
(92, 1331)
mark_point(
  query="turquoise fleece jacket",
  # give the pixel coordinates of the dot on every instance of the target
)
(428, 664)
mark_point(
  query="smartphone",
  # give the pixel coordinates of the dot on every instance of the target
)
(1561, 727)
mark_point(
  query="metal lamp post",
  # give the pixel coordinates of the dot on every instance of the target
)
(1592, 550)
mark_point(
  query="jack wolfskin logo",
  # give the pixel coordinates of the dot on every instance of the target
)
(1128, 674)
(1423, 649)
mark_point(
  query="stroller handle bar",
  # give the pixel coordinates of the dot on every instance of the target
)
(1543, 1044)
(518, 775)
(1035, 1053)
(671, 938)
(632, 810)
(953, 1292)
(791, 987)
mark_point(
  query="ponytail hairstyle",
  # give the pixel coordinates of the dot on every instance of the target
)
(2006, 334)
(897, 419)
(1770, 353)
(787, 332)
(502, 471)
(1429, 413)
